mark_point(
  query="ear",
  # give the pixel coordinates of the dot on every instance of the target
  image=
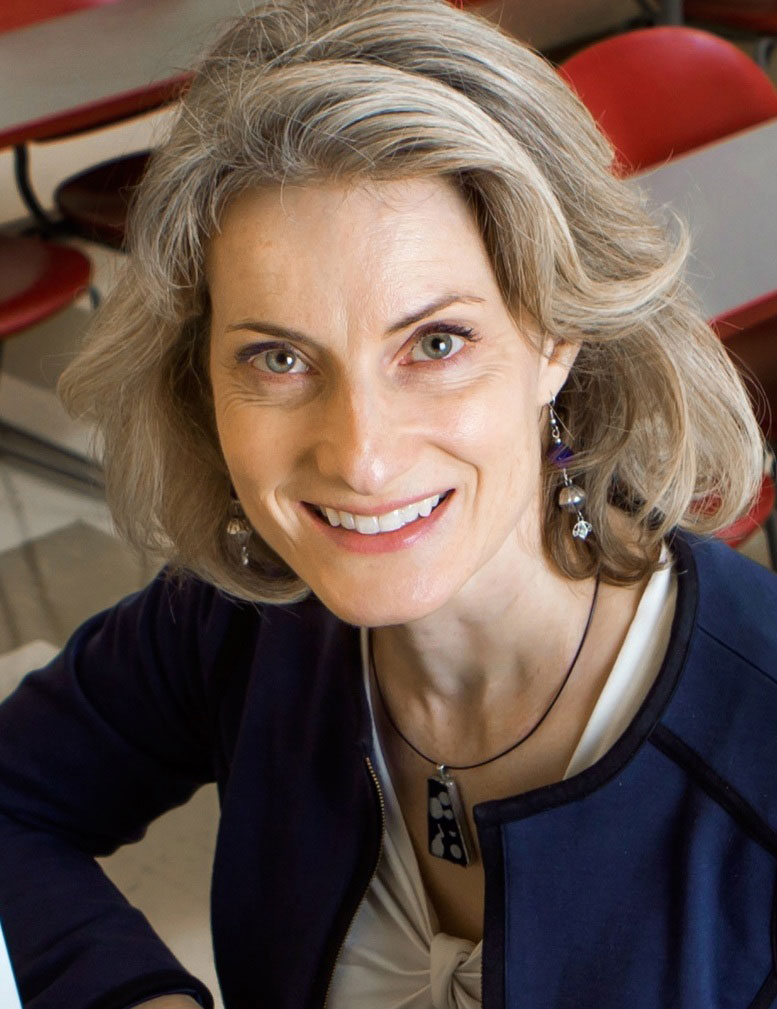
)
(556, 362)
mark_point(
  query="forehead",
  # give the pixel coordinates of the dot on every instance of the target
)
(373, 244)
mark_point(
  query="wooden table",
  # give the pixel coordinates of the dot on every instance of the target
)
(727, 193)
(100, 64)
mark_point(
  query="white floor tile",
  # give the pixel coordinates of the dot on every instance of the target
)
(14, 665)
(167, 875)
(9, 995)
(37, 410)
(32, 506)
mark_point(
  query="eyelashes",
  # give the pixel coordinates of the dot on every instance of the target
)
(277, 358)
(439, 345)
(434, 344)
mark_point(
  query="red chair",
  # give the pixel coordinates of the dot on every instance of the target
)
(750, 336)
(37, 280)
(658, 92)
(753, 17)
(95, 202)
(762, 515)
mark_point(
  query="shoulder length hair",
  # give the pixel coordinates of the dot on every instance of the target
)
(305, 90)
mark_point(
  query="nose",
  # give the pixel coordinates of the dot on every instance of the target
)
(362, 440)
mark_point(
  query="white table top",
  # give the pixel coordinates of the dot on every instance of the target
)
(77, 59)
(727, 194)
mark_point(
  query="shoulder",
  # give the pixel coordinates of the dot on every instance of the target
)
(183, 619)
(737, 602)
(175, 613)
(721, 722)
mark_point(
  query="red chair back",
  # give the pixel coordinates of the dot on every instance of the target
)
(20, 14)
(657, 92)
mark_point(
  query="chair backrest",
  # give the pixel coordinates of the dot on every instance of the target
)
(657, 92)
(17, 15)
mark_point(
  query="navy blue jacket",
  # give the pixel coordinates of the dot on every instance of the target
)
(646, 882)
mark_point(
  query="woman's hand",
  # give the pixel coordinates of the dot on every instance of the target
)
(170, 1002)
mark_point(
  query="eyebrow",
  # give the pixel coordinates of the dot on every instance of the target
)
(435, 306)
(287, 333)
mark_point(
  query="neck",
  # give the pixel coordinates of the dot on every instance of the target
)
(493, 639)
(482, 669)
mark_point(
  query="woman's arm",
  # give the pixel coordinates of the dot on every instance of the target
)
(114, 732)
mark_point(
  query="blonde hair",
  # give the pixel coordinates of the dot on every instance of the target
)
(305, 90)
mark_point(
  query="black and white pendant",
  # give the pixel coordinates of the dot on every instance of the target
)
(449, 836)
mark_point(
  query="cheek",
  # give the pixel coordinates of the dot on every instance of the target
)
(252, 450)
(501, 425)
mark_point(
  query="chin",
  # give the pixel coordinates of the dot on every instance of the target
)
(387, 607)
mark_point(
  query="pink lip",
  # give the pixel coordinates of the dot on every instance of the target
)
(380, 543)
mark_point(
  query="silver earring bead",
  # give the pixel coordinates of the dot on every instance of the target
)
(239, 530)
(571, 497)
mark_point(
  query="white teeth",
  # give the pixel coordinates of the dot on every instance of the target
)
(347, 520)
(388, 523)
(369, 525)
(408, 514)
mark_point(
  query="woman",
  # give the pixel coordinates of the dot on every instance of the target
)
(410, 393)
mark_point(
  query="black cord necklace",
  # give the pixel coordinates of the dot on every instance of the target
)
(449, 835)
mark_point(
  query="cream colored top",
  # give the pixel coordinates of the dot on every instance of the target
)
(395, 956)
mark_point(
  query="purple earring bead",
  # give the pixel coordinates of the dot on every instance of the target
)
(560, 454)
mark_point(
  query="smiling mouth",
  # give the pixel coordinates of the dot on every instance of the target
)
(371, 525)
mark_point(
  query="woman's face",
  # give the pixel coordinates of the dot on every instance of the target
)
(366, 370)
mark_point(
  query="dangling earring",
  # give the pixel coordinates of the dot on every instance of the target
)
(571, 497)
(239, 530)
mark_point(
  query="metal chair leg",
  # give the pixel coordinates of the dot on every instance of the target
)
(763, 51)
(45, 222)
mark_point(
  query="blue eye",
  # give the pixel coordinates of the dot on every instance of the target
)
(279, 361)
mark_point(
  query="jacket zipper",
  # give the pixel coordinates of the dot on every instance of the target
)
(379, 793)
